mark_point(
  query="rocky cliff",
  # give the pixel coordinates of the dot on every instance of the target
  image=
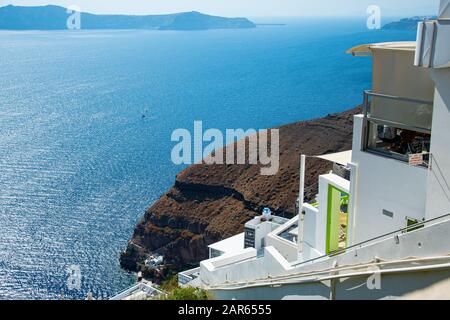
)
(212, 202)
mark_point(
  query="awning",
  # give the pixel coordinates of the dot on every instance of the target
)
(367, 49)
(342, 158)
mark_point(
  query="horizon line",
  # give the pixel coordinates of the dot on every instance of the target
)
(341, 16)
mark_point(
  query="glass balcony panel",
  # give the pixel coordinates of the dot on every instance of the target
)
(403, 112)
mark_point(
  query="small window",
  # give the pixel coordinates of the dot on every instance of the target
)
(398, 143)
(388, 213)
(249, 239)
(412, 224)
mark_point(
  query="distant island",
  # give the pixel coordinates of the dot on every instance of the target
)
(407, 23)
(55, 18)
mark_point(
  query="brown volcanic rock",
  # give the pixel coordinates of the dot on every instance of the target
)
(212, 202)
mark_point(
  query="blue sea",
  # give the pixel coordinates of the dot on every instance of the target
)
(78, 163)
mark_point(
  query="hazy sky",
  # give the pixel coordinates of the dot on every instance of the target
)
(248, 8)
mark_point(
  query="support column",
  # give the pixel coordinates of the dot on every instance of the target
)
(301, 200)
(352, 204)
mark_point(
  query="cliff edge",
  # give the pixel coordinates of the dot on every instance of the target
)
(212, 202)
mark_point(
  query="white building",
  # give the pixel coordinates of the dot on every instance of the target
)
(381, 224)
(141, 291)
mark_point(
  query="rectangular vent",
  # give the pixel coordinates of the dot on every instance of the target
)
(390, 214)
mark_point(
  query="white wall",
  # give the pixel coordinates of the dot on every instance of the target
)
(384, 184)
(229, 258)
(351, 288)
(261, 231)
(310, 222)
(309, 253)
(444, 9)
(394, 74)
(431, 241)
(272, 263)
(287, 249)
(438, 196)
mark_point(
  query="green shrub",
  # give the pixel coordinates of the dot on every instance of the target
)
(170, 284)
(174, 292)
(188, 293)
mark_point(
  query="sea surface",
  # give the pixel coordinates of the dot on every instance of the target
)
(79, 164)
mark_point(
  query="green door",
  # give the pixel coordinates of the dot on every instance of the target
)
(336, 219)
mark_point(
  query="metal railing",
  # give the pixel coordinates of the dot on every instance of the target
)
(141, 286)
(187, 276)
(408, 229)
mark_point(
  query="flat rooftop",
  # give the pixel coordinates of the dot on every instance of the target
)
(272, 219)
(230, 245)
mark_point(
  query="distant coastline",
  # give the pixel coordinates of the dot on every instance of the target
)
(55, 18)
(407, 23)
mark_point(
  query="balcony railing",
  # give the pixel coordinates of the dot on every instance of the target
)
(394, 234)
(395, 139)
(188, 276)
(140, 289)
